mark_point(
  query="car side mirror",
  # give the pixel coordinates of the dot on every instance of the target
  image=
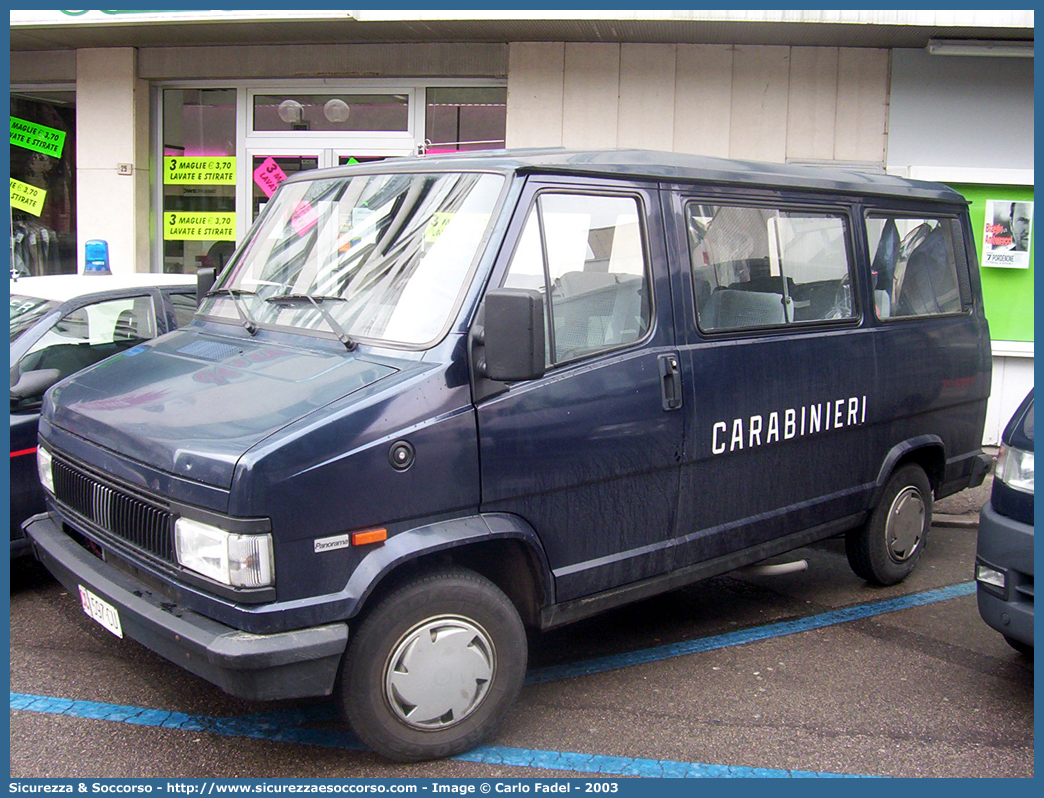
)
(32, 384)
(514, 334)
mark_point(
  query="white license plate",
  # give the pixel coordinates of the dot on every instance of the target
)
(102, 611)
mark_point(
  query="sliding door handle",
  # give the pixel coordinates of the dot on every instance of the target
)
(670, 382)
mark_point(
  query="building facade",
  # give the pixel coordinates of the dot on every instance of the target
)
(164, 133)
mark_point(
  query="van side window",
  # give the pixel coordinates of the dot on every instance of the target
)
(914, 267)
(585, 252)
(767, 267)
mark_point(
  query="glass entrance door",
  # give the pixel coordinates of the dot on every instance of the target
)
(268, 169)
(271, 166)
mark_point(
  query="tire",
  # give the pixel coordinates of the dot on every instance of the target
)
(434, 667)
(887, 547)
(1023, 648)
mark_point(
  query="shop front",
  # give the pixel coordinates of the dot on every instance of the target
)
(226, 149)
(988, 157)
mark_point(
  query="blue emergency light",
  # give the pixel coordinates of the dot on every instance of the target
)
(96, 257)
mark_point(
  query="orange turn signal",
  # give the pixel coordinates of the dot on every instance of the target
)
(369, 536)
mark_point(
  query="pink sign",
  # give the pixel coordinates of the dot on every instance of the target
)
(303, 218)
(268, 176)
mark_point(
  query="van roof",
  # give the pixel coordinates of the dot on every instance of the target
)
(665, 167)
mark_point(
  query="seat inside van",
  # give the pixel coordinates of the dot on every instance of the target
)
(729, 308)
(596, 310)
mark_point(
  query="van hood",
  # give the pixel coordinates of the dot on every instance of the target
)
(192, 404)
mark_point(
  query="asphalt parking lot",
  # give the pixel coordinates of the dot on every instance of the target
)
(810, 674)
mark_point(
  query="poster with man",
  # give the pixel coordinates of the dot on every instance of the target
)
(1009, 226)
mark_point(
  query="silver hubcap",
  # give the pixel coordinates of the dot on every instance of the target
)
(439, 672)
(905, 524)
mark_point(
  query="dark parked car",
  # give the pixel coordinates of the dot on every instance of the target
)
(61, 324)
(1004, 559)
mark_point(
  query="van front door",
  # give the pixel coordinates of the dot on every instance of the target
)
(588, 454)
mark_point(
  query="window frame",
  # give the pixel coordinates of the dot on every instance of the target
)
(844, 212)
(647, 267)
(964, 289)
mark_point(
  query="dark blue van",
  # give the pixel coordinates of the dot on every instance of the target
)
(433, 402)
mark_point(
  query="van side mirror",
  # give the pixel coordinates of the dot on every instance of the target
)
(205, 279)
(514, 334)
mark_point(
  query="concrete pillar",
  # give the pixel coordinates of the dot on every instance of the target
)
(112, 131)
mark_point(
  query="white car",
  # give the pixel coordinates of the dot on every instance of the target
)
(63, 323)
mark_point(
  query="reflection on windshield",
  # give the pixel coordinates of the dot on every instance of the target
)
(26, 311)
(393, 250)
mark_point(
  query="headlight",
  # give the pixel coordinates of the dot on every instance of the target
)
(43, 467)
(1015, 468)
(990, 576)
(227, 557)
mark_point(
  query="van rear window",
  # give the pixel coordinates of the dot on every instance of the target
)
(914, 267)
(768, 267)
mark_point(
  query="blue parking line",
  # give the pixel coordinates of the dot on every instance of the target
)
(287, 725)
(264, 727)
(642, 656)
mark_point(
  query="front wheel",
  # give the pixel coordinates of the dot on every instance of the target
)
(885, 550)
(435, 666)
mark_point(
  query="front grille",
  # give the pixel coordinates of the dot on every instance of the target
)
(1024, 588)
(114, 510)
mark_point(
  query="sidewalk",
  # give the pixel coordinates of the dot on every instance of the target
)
(962, 509)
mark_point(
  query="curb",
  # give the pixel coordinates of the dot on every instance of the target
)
(959, 521)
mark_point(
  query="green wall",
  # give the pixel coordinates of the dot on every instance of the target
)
(1007, 293)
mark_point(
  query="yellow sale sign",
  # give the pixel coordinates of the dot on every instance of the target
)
(199, 171)
(199, 226)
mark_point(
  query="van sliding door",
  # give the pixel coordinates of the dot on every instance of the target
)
(779, 373)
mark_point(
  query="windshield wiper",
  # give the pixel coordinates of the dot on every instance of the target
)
(315, 301)
(234, 293)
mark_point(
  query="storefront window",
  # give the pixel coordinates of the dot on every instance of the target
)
(331, 112)
(43, 182)
(465, 119)
(199, 178)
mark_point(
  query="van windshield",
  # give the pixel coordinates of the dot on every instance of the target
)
(386, 256)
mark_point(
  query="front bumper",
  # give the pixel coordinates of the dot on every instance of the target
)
(1006, 545)
(293, 664)
(20, 546)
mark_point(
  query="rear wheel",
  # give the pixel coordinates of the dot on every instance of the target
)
(435, 666)
(885, 550)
